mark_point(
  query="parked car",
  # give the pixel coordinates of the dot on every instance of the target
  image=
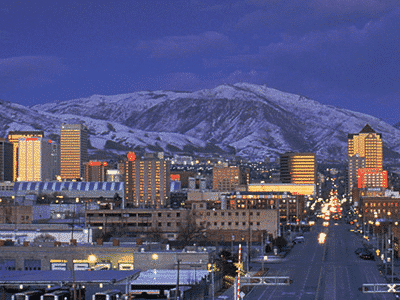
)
(365, 254)
(299, 239)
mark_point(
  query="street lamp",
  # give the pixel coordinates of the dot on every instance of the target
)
(155, 258)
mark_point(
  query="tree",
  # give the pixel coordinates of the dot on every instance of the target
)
(189, 231)
(43, 238)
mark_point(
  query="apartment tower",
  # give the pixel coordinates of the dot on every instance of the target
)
(73, 150)
(147, 182)
(13, 138)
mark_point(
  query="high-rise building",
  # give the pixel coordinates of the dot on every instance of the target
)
(96, 171)
(366, 144)
(229, 178)
(298, 168)
(147, 182)
(13, 137)
(73, 150)
(35, 161)
(6, 167)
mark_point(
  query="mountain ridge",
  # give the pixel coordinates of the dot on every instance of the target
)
(242, 119)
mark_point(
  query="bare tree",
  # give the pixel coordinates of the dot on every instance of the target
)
(189, 231)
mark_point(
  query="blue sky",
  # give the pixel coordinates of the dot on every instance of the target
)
(343, 53)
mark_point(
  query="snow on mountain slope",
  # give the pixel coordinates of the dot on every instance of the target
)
(243, 119)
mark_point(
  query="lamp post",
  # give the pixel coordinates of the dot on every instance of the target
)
(155, 258)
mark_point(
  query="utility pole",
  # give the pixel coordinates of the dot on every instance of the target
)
(177, 282)
(262, 252)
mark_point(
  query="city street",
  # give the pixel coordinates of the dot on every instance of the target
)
(323, 271)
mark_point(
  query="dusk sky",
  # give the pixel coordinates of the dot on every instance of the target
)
(344, 53)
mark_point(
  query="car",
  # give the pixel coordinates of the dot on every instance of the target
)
(299, 239)
(365, 254)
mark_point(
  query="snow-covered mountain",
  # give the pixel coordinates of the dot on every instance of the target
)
(243, 119)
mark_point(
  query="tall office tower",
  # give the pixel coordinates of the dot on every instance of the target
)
(95, 171)
(13, 137)
(147, 182)
(35, 161)
(367, 144)
(73, 146)
(298, 168)
(6, 162)
(229, 179)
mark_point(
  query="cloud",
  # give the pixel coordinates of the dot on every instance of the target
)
(185, 46)
(29, 71)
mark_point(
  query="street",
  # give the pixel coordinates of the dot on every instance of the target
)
(323, 271)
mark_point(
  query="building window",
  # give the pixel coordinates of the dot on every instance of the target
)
(208, 214)
(222, 223)
(237, 223)
(159, 214)
(215, 223)
(258, 213)
(244, 223)
(169, 224)
(251, 213)
(178, 215)
(237, 213)
(159, 224)
(229, 214)
(229, 223)
(258, 223)
(243, 213)
(215, 214)
(222, 214)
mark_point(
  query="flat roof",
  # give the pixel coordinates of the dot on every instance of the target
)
(64, 277)
(169, 277)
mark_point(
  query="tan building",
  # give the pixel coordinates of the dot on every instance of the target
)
(228, 179)
(153, 223)
(35, 160)
(147, 182)
(13, 138)
(366, 144)
(73, 150)
(222, 225)
(298, 168)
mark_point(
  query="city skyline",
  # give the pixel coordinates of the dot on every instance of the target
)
(337, 53)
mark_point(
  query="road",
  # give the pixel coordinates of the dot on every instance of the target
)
(323, 271)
